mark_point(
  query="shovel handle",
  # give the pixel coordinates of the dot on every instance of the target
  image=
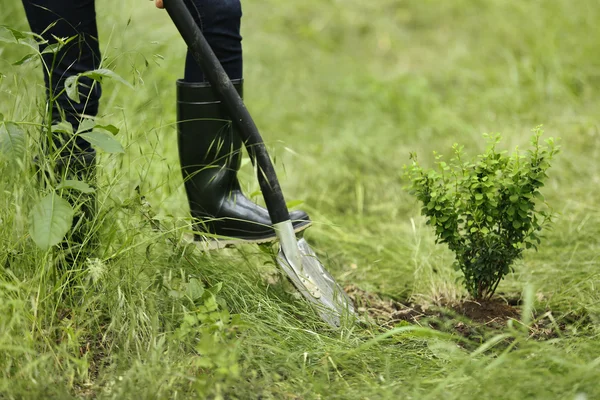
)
(224, 89)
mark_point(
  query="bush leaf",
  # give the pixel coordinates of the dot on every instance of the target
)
(50, 220)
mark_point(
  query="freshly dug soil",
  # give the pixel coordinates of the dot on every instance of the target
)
(490, 311)
(468, 318)
(384, 312)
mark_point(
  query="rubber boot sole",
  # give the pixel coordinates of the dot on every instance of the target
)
(209, 244)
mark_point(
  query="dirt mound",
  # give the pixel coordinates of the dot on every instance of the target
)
(489, 311)
(467, 318)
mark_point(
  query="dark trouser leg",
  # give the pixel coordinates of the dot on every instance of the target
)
(220, 23)
(66, 18)
(70, 159)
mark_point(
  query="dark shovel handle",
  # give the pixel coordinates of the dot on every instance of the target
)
(221, 84)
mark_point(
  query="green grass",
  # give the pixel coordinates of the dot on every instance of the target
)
(342, 92)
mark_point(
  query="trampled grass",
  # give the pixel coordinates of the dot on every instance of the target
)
(342, 92)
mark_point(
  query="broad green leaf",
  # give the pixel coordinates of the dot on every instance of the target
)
(12, 140)
(50, 220)
(71, 87)
(62, 127)
(294, 203)
(72, 82)
(25, 59)
(214, 290)
(111, 128)
(6, 36)
(194, 289)
(99, 74)
(52, 48)
(16, 34)
(88, 124)
(10, 35)
(77, 185)
(103, 141)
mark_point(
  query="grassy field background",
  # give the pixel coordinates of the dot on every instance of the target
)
(342, 92)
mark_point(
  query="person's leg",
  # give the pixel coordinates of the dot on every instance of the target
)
(63, 19)
(69, 159)
(209, 148)
(220, 23)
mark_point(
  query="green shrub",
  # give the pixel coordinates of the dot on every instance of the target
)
(485, 210)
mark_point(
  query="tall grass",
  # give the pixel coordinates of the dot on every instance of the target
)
(342, 92)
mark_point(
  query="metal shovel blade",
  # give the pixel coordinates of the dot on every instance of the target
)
(302, 266)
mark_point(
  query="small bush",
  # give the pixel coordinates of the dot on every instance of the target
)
(485, 210)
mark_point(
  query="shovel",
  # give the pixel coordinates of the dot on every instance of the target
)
(296, 258)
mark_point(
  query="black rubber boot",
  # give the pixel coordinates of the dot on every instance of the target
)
(210, 156)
